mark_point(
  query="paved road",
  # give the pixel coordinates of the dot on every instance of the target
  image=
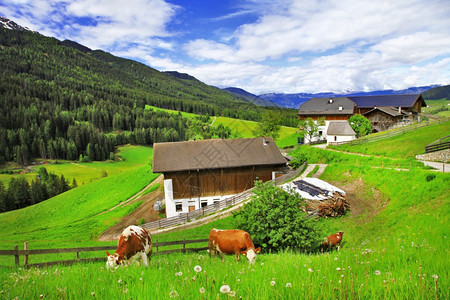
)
(438, 166)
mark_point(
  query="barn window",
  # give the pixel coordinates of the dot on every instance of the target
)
(179, 207)
(320, 132)
(204, 203)
(335, 138)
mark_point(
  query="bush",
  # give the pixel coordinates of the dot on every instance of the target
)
(298, 161)
(141, 221)
(275, 220)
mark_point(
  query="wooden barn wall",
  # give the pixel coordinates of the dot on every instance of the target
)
(193, 184)
(382, 121)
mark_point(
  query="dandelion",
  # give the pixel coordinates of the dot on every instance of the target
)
(141, 279)
(179, 274)
(119, 281)
(197, 269)
(377, 272)
(338, 269)
(232, 294)
(93, 294)
(41, 296)
(336, 258)
(310, 270)
(262, 264)
(272, 283)
(173, 294)
(202, 290)
(435, 276)
(225, 289)
(288, 285)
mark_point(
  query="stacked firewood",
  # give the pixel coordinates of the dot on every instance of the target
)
(334, 206)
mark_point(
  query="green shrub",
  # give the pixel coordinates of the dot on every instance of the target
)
(141, 221)
(276, 221)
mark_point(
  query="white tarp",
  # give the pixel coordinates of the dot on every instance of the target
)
(292, 187)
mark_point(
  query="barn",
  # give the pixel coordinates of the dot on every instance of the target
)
(200, 173)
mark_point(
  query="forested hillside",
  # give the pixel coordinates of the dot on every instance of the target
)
(60, 100)
(437, 93)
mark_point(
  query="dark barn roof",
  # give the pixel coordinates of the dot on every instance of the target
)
(386, 100)
(327, 106)
(215, 154)
(392, 111)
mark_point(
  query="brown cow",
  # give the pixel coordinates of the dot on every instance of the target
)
(332, 240)
(134, 243)
(232, 241)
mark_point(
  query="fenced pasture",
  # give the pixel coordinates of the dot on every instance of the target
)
(363, 271)
(24, 257)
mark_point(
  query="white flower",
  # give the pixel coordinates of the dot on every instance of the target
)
(140, 279)
(119, 281)
(179, 274)
(338, 269)
(93, 294)
(377, 272)
(272, 283)
(288, 285)
(225, 289)
(335, 258)
(232, 293)
(262, 264)
(202, 290)
(435, 276)
(310, 270)
(173, 294)
(197, 269)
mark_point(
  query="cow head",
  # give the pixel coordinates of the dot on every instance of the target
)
(251, 254)
(114, 261)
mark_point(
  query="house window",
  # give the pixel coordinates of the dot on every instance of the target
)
(216, 200)
(204, 203)
(341, 108)
(335, 138)
(179, 207)
(320, 132)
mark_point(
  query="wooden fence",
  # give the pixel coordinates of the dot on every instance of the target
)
(16, 253)
(438, 145)
(400, 131)
(183, 218)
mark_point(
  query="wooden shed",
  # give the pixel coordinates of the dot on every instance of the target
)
(198, 173)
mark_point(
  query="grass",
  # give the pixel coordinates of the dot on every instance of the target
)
(243, 128)
(402, 146)
(129, 157)
(77, 215)
(440, 107)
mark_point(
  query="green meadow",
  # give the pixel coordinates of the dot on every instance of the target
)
(395, 241)
(439, 107)
(243, 128)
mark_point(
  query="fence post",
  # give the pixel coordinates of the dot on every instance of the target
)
(25, 247)
(157, 247)
(16, 256)
(184, 246)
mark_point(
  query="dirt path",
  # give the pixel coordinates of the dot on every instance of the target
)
(144, 211)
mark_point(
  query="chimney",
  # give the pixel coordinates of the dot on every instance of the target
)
(399, 109)
(265, 142)
(330, 101)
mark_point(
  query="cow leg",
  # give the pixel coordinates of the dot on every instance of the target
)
(237, 256)
(221, 255)
(338, 246)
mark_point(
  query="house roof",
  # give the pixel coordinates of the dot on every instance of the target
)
(386, 100)
(340, 128)
(327, 106)
(215, 154)
(392, 111)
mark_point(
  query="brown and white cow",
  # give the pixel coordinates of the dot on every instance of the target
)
(232, 241)
(332, 240)
(134, 243)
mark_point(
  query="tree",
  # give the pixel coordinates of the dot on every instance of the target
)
(310, 128)
(360, 125)
(269, 125)
(275, 220)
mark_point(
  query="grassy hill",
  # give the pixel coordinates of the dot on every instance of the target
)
(242, 128)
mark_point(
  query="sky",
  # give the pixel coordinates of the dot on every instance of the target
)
(262, 46)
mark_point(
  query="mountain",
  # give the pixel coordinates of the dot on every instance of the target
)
(295, 100)
(8, 24)
(62, 100)
(243, 94)
(437, 93)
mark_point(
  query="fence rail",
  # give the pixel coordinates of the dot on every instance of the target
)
(379, 137)
(28, 252)
(186, 217)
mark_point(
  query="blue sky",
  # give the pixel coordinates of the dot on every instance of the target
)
(262, 46)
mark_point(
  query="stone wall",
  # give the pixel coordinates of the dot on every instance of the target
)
(439, 156)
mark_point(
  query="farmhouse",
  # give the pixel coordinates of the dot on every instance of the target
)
(384, 112)
(200, 173)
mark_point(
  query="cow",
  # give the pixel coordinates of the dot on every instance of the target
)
(232, 241)
(332, 240)
(134, 243)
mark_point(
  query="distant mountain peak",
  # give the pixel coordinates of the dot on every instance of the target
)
(8, 24)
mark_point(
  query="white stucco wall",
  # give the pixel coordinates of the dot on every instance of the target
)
(196, 202)
(339, 138)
